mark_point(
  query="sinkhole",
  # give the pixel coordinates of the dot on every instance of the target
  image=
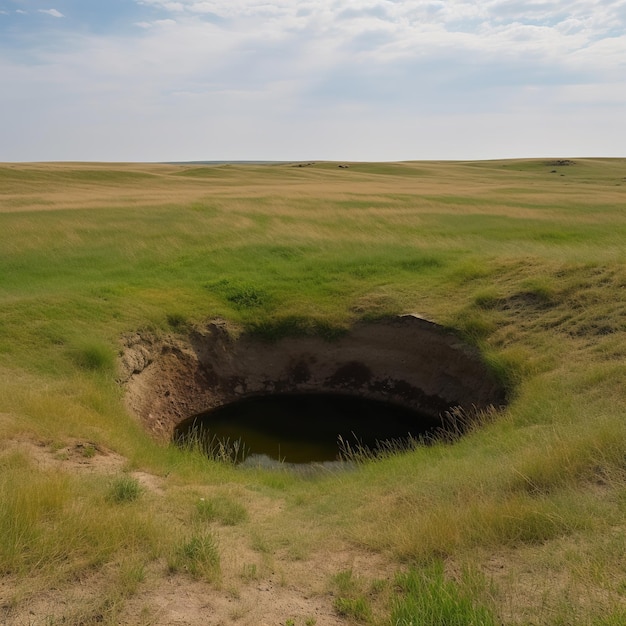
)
(303, 428)
(292, 398)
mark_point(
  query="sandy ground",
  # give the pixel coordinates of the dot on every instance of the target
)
(255, 589)
(266, 588)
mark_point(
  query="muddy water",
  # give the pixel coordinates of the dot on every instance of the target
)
(304, 428)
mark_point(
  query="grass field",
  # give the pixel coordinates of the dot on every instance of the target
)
(521, 522)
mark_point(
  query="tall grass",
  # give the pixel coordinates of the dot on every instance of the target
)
(426, 597)
(54, 526)
(528, 266)
(197, 556)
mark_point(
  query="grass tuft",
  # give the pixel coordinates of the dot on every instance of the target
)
(426, 597)
(197, 556)
(176, 321)
(124, 489)
(357, 609)
(201, 441)
(351, 601)
(222, 510)
(94, 357)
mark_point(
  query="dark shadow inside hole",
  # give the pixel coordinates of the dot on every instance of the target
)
(301, 428)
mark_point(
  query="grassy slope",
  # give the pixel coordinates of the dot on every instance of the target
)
(526, 258)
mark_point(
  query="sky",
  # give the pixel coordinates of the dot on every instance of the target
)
(288, 80)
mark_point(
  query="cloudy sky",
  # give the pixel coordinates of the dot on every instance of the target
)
(162, 80)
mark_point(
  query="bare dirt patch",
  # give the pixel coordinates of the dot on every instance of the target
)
(259, 585)
(77, 455)
(268, 596)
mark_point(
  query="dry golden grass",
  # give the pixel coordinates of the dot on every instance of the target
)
(526, 262)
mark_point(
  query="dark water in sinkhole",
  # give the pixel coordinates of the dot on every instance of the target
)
(301, 428)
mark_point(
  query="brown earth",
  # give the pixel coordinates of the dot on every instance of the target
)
(254, 590)
(407, 360)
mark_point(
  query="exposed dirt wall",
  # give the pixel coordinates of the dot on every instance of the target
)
(405, 360)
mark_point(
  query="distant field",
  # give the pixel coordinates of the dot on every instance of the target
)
(522, 522)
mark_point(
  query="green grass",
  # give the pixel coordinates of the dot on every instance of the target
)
(124, 489)
(221, 509)
(58, 526)
(428, 598)
(351, 601)
(197, 556)
(527, 265)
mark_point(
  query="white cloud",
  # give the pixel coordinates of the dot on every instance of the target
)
(596, 13)
(326, 79)
(164, 4)
(52, 12)
(156, 23)
(384, 30)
